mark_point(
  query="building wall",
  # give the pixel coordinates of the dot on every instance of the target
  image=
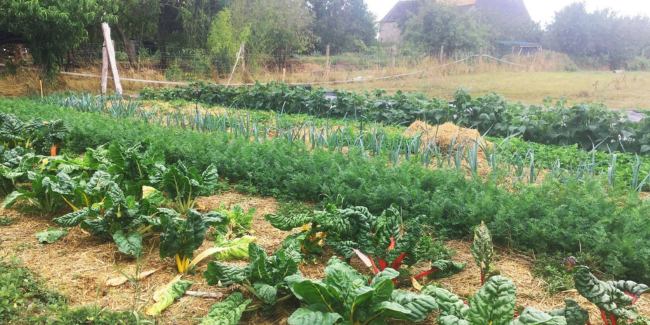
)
(389, 33)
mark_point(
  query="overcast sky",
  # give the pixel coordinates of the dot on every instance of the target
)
(543, 10)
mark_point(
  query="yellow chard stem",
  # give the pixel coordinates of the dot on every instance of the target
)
(178, 263)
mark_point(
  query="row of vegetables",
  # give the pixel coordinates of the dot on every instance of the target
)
(129, 194)
(586, 125)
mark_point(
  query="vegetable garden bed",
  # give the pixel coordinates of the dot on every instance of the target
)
(79, 266)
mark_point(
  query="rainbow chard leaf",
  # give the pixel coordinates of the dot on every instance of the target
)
(532, 316)
(449, 303)
(227, 312)
(608, 298)
(50, 235)
(346, 292)
(494, 303)
(574, 314)
(483, 251)
(174, 291)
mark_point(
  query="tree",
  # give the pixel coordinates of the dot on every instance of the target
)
(136, 17)
(438, 25)
(602, 33)
(278, 28)
(345, 25)
(53, 27)
(225, 39)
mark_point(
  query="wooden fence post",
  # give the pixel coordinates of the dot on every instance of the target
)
(243, 57)
(480, 57)
(442, 54)
(284, 71)
(104, 69)
(111, 57)
(394, 52)
(327, 59)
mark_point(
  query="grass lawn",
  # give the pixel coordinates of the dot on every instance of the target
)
(629, 90)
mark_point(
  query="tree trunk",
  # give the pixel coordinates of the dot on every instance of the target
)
(161, 42)
(130, 52)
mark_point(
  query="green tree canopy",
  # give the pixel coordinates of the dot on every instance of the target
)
(346, 25)
(53, 27)
(438, 25)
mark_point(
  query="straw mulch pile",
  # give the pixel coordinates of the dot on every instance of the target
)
(442, 136)
(79, 265)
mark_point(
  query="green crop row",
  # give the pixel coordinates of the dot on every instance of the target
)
(588, 125)
(552, 217)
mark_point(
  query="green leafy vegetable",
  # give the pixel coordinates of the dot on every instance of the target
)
(134, 165)
(181, 237)
(227, 312)
(264, 276)
(483, 251)
(572, 312)
(50, 235)
(174, 290)
(236, 249)
(346, 295)
(611, 301)
(184, 185)
(239, 221)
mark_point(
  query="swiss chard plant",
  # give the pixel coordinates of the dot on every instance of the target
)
(264, 276)
(483, 251)
(180, 237)
(122, 219)
(227, 312)
(41, 197)
(183, 185)
(36, 134)
(134, 165)
(239, 221)
(493, 304)
(614, 304)
(384, 238)
(347, 297)
(14, 165)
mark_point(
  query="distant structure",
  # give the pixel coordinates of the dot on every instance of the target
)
(508, 10)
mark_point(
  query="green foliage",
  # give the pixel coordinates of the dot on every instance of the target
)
(117, 217)
(173, 291)
(227, 312)
(264, 276)
(181, 237)
(602, 33)
(572, 312)
(236, 249)
(346, 295)
(549, 217)
(34, 134)
(225, 39)
(238, 221)
(604, 295)
(341, 24)
(437, 25)
(183, 185)
(6, 221)
(556, 276)
(53, 27)
(494, 304)
(50, 235)
(134, 165)
(483, 251)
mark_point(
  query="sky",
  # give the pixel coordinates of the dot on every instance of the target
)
(543, 10)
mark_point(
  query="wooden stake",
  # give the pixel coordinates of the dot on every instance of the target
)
(284, 71)
(442, 53)
(104, 69)
(243, 57)
(41, 82)
(111, 57)
(480, 57)
(327, 59)
(241, 49)
(394, 52)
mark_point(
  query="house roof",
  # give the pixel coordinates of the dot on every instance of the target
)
(513, 9)
(401, 10)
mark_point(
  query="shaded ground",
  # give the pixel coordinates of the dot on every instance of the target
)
(78, 265)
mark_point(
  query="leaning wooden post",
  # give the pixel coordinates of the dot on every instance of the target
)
(104, 68)
(241, 48)
(111, 57)
(442, 54)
